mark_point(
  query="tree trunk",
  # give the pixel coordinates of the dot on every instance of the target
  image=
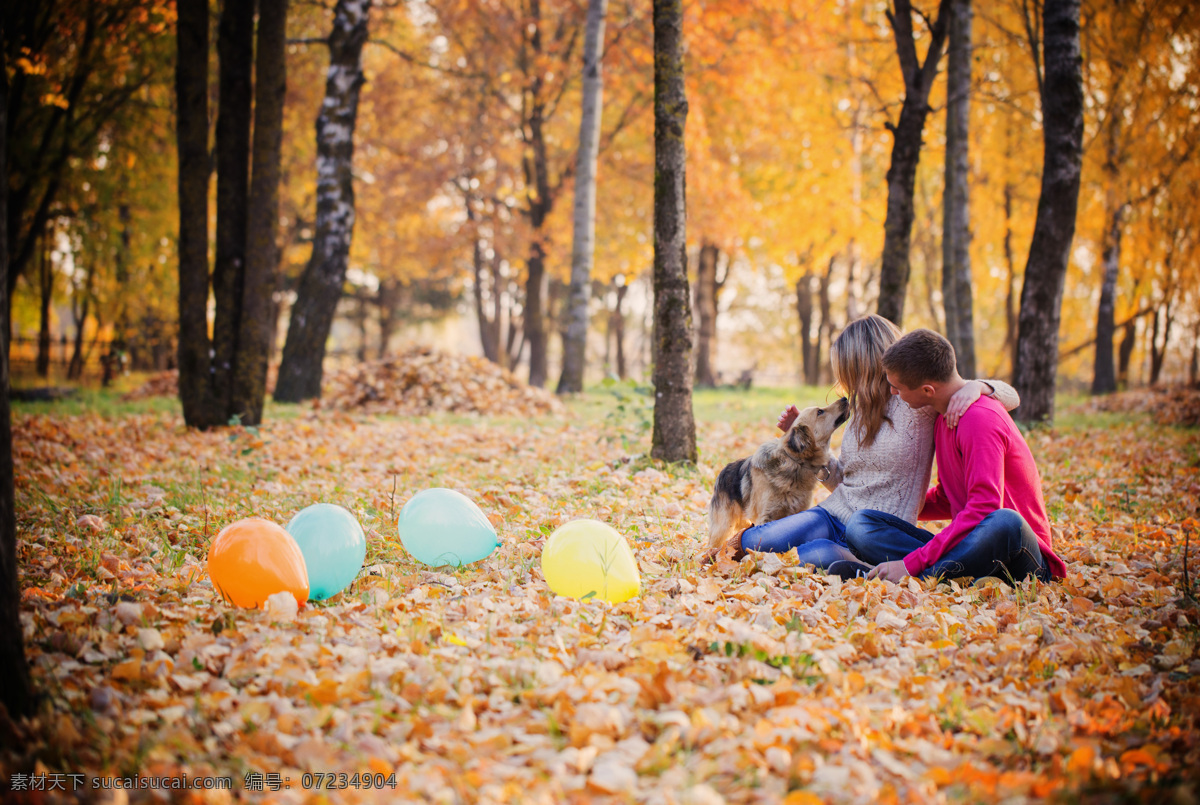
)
(1158, 354)
(540, 199)
(906, 154)
(804, 309)
(489, 326)
(321, 285)
(706, 311)
(1054, 229)
(1104, 376)
(533, 321)
(826, 326)
(583, 250)
(191, 92)
(616, 327)
(956, 227)
(389, 310)
(1125, 352)
(262, 252)
(16, 687)
(235, 48)
(514, 342)
(79, 312)
(1194, 363)
(46, 289)
(674, 436)
(489, 329)
(1010, 298)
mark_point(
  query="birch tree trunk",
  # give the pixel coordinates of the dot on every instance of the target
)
(235, 48)
(262, 253)
(191, 93)
(956, 227)
(674, 436)
(583, 251)
(906, 153)
(1054, 229)
(16, 687)
(321, 284)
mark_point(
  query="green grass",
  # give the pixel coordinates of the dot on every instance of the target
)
(105, 402)
(608, 406)
(755, 405)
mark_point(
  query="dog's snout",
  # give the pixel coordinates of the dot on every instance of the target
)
(843, 406)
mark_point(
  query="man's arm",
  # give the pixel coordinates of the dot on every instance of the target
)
(982, 445)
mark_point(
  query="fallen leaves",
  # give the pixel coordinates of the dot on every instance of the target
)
(752, 681)
(422, 379)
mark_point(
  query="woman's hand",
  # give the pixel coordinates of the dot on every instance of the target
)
(963, 399)
(789, 416)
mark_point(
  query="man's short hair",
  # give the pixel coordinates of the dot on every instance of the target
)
(920, 357)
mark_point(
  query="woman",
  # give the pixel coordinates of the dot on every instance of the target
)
(887, 450)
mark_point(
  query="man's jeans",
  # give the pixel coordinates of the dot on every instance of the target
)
(1002, 545)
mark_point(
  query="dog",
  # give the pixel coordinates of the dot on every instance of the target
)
(778, 480)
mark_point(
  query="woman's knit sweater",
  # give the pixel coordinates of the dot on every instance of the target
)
(893, 473)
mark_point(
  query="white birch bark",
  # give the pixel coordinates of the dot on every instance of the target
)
(583, 251)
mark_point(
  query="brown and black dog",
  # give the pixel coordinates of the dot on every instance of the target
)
(778, 480)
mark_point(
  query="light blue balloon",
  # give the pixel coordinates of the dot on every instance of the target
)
(444, 527)
(333, 545)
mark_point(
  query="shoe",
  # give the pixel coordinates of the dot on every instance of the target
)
(848, 569)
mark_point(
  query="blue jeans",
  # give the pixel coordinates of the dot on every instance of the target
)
(1002, 545)
(816, 535)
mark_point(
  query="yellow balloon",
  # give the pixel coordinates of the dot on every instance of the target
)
(586, 558)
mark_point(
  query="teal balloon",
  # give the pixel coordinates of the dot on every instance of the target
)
(444, 527)
(333, 545)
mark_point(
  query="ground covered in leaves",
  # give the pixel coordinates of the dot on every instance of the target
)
(756, 682)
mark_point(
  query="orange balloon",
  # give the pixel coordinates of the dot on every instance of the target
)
(253, 559)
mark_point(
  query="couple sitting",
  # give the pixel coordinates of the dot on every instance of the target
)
(909, 404)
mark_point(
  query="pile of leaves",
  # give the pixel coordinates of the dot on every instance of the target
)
(162, 384)
(758, 681)
(1168, 406)
(418, 381)
(423, 380)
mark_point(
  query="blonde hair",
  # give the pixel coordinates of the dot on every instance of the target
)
(857, 358)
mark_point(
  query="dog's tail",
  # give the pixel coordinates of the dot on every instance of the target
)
(727, 504)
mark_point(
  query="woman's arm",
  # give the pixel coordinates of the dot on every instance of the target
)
(965, 397)
(1004, 394)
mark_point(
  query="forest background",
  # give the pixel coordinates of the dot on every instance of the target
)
(167, 202)
(789, 140)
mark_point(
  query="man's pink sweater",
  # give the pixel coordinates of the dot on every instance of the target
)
(982, 465)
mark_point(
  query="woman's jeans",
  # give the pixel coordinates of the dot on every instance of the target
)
(1002, 545)
(816, 535)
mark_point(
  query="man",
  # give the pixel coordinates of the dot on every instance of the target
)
(988, 487)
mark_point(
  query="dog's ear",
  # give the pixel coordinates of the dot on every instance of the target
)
(801, 440)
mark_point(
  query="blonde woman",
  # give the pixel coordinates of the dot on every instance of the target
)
(887, 450)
